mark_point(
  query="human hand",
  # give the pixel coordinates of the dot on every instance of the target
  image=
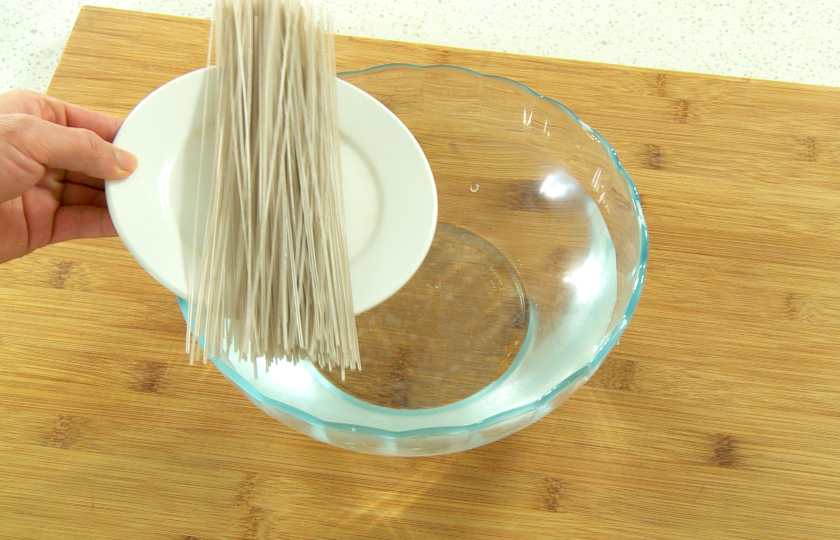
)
(53, 159)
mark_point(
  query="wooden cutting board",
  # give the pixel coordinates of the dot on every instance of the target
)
(718, 415)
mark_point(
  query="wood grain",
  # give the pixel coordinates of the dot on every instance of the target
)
(718, 416)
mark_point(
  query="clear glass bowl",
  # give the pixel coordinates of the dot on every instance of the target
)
(537, 265)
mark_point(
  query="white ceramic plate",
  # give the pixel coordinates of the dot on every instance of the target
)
(389, 193)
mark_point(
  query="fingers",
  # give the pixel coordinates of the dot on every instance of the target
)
(20, 102)
(19, 172)
(102, 124)
(72, 222)
(79, 195)
(83, 179)
(75, 149)
(40, 138)
(59, 112)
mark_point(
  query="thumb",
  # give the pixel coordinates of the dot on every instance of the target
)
(73, 149)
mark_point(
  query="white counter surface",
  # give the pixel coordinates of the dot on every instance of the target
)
(796, 41)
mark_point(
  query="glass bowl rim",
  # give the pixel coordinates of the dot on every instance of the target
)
(600, 354)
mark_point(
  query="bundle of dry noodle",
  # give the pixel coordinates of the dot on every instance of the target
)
(272, 278)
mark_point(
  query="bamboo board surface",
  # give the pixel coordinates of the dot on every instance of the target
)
(718, 415)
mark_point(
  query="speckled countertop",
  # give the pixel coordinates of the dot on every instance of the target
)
(797, 41)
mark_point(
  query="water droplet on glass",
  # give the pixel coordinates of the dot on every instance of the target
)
(474, 188)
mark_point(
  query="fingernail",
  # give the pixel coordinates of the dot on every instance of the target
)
(126, 160)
